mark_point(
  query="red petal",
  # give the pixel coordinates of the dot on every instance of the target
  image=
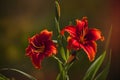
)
(37, 59)
(73, 43)
(81, 24)
(53, 49)
(70, 29)
(35, 41)
(28, 50)
(38, 39)
(94, 34)
(90, 48)
(50, 48)
(45, 35)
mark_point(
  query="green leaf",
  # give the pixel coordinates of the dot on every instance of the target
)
(108, 38)
(62, 51)
(2, 77)
(67, 54)
(58, 76)
(68, 77)
(91, 72)
(104, 73)
(60, 67)
(21, 72)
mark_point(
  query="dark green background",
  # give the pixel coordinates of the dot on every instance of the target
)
(20, 19)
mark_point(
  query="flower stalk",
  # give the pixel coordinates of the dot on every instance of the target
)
(63, 67)
(79, 37)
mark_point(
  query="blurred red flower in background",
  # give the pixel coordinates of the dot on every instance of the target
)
(40, 46)
(83, 37)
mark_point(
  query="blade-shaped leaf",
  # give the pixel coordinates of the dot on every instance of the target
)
(21, 72)
(67, 54)
(58, 76)
(2, 77)
(104, 73)
(62, 51)
(91, 72)
(108, 38)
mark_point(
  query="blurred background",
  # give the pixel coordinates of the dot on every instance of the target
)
(20, 19)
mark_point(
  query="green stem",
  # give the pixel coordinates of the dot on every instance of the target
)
(56, 58)
(63, 70)
(57, 25)
(63, 75)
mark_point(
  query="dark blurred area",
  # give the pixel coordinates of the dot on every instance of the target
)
(20, 19)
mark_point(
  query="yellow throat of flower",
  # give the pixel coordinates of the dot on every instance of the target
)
(41, 49)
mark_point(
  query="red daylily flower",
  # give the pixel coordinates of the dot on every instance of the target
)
(40, 46)
(83, 37)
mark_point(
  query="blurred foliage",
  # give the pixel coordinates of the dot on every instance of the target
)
(20, 19)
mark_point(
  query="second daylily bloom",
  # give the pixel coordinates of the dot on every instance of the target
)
(81, 37)
(40, 46)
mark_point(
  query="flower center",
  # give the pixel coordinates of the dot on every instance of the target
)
(81, 39)
(40, 49)
(82, 35)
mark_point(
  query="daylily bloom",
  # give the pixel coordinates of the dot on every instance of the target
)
(81, 37)
(40, 46)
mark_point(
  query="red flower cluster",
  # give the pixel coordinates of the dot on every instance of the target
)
(81, 37)
(40, 46)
